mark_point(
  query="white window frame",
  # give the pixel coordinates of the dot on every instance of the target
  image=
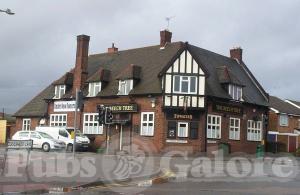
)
(91, 124)
(235, 129)
(128, 86)
(283, 120)
(189, 84)
(299, 123)
(26, 124)
(58, 91)
(94, 88)
(214, 133)
(236, 92)
(56, 122)
(254, 130)
(147, 131)
(186, 132)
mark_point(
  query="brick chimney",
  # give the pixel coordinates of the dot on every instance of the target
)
(237, 53)
(165, 37)
(113, 49)
(80, 71)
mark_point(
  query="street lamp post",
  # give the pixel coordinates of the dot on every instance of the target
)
(7, 11)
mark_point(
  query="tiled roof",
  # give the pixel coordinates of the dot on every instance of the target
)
(212, 61)
(282, 106)
(151, 62)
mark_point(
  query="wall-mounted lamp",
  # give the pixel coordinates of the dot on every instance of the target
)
(153, 101)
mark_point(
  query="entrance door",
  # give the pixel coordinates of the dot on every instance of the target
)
(292, 143)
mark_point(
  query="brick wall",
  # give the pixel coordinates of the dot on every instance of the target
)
(292, 125)
(242, 145)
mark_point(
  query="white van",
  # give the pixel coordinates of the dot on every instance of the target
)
(61, 133)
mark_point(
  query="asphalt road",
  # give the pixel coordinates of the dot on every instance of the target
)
(187, 178)
(222, 188)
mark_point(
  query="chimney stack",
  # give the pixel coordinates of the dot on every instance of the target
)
(113, 49)
(81, 64)
(237, 53)
(165, 37)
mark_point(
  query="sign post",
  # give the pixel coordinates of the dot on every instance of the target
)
(17, 144)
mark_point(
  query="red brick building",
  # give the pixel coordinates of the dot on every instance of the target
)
(173, 96)
(284, 124)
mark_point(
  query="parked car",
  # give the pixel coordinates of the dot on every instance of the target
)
(64, 134)
(40, 140)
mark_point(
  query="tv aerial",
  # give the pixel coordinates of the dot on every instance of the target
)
(168, 19)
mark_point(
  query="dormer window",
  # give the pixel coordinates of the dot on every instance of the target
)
(185, 84)
(94, 88)
(236, 92)
(125, 86)
(60, 90)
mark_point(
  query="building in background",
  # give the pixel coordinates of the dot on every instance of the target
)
(284, 122)
(169, 96)
(7, 127)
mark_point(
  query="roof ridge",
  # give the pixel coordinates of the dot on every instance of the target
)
(221, 55)
(137, 48)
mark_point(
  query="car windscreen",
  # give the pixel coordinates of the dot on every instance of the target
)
(45, 135)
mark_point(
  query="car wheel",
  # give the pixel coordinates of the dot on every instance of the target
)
(46, 147)
(70, 148)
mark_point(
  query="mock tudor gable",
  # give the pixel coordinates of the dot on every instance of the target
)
(183, 83)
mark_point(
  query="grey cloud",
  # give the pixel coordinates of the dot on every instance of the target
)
(37, 45)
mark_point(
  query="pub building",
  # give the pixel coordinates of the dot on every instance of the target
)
(168, 96)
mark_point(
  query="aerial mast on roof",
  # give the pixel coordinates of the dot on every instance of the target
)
(168, 21)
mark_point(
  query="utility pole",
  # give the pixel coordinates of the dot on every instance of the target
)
(75, 123)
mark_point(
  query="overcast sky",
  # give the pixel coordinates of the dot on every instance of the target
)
(38, 43)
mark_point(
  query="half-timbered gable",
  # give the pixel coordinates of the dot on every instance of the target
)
(184, 83)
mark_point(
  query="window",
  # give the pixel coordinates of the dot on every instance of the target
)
(58, 120)
(234, 128)
(63, 133)
(91, 125)
(182, 129)
(24, 134)
(298, 123)
(284, 120)
(26, 124)
(147, 123)
(35, 135)
(94, 88)
(254, 130)
(125, 87)
(59, 91)
(185, 84)
(214, 126)
(236, 92)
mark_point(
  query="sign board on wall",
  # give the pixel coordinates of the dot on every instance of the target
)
(121, 108)
(64, 106)
(227, 108)
(171, 115)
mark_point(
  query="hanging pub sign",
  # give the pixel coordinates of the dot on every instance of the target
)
(119, 108)
(227, 108)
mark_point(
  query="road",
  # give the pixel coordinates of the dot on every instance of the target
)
(186, 175)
